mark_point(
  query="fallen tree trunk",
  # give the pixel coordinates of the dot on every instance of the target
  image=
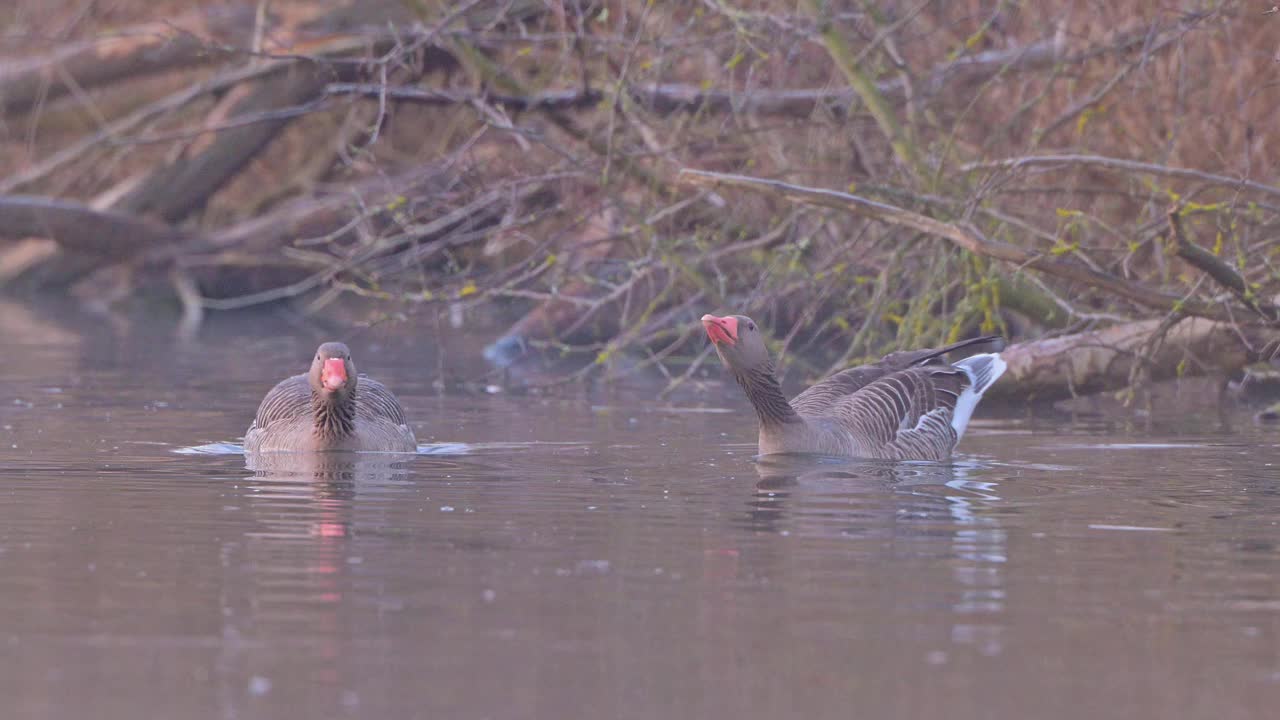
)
(83, 238)
(1102, 360)
(185, 186)
(175, 191)
(82, 229)
(213, 34)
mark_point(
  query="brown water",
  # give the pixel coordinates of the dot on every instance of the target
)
(598, 555)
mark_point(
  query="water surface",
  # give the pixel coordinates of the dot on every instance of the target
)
(598, 554)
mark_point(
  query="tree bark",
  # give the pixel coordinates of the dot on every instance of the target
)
(175, 191)
(82, 229)
(1101, 360)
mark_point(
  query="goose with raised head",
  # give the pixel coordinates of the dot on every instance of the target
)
(910, 405)
(330, 407)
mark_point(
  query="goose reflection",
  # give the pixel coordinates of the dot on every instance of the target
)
(306, 558)
(980, 548)
(317, 488)
(860, 495)
(935, 509)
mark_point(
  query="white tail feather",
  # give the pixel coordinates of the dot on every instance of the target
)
(983, 370)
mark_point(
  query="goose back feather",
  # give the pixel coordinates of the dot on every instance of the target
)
(822, 394)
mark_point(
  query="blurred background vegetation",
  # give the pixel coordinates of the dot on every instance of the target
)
(1093, 178)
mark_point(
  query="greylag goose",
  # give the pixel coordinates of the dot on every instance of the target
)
(329, 408)
(910, 405)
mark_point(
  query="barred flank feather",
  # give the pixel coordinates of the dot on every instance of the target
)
(908, 406)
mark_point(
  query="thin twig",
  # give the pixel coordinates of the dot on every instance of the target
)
(1214, 267)
(1110, 163)
(965, 237)
(142, 115)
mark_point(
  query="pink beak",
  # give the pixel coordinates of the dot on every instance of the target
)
(334, 374)
(721, 329)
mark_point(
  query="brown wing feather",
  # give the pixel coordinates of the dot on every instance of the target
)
(375, 402)
(824, 394)
(903, 414)
(289, 399)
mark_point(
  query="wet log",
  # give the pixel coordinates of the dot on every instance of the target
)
(1101, 360)
(84, 238)
(82, 229)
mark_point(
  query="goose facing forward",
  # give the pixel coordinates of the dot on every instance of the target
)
(910, 405)
(330, 408)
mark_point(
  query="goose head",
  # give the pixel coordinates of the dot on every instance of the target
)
(333, 374)
(738, 341)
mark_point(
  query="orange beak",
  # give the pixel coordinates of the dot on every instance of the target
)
(334, 374)
(721, 329)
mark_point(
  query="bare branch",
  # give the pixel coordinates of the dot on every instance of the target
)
(964, 237)
(555, 99)
(1110, 163)
(1214, 267)
(198, 38)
